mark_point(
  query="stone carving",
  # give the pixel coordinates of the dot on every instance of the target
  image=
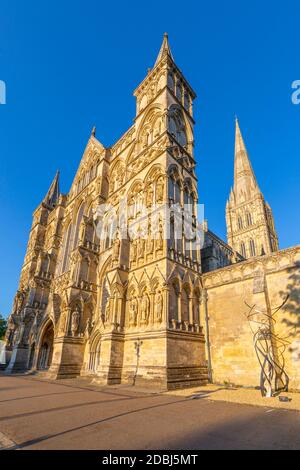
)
(39, 263)
(18, 301)
(141, 247)
(133, 311)
(145, 308)
(160, 238)
(10, 332)
(158, 307)
(149, 198)
(108, 312)
(160, 190)
(116, 249)
(75, 321)
(88, 329)
(82, 229)
(150, 241)
(142, 159)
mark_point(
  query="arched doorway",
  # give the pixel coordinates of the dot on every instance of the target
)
(46, 348)
(94, 357)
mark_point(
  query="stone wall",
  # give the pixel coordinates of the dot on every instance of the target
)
(258, 281)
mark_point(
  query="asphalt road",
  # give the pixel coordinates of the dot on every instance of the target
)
(36, 414)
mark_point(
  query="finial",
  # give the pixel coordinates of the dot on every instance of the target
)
(165, 49)
(94, 131)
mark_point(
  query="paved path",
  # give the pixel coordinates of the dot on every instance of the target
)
(35, 414)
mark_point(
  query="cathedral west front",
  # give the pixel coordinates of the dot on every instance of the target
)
(124, 284)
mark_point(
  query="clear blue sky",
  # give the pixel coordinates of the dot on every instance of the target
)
(71, 65)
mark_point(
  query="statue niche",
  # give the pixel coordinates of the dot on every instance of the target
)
(75, 321)
(160, 190)
(158, 307)
(116, 249)
(145, 308)
(133, 306)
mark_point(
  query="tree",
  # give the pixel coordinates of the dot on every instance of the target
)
(3, 326)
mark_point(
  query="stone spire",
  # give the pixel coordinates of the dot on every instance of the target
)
(244, 178)
(250, 224)
(53, 193)
(164, 50)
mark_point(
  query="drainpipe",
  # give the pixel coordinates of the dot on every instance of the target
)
(207, 340)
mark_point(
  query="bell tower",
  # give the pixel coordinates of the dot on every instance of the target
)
(250, 224)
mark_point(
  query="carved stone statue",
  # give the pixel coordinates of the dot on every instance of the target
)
(39, 264)
(18, 301)
(10, 331)
(75, 321)
(160, 239)
(145, 308)
(158, 307)
(82, 230)
(88, 328)
(116, 248)
(150, 241)
(160, 191)
(133, 311)
(149, 198)
(108, 312)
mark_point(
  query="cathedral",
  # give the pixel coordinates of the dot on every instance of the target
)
(122, 283)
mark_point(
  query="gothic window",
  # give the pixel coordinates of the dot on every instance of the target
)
(174, 191)
(196, 316)
(172, 233)
(105, 297)
(171, 189)
(252, 248)
(177, 126)
(178, 91)
(84, 271)
(240, 222)
(174, 301)
(243, 249)
(187, 247)
(170, 81)
(177, 195)
(249, 219)
(186, 101)
(185, 304)
(186, 197)
(78, 222)
(189, 201)
(173, 127)
(66, 249)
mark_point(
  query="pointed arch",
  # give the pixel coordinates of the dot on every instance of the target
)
(79, 218)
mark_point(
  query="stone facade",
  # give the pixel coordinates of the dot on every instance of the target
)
(263, 282)
(141, 305)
